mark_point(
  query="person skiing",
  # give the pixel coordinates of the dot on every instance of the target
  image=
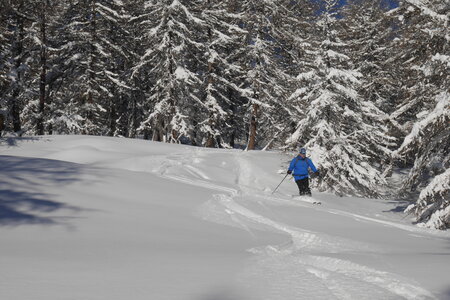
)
(299, 168)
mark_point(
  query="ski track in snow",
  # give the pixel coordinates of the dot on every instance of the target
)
(244, 183)
(201, 183)
(344, 279)
(295, 264)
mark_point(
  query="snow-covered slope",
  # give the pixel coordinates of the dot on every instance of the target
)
(107, 218)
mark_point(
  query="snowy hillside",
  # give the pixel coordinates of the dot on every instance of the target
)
(107, 218)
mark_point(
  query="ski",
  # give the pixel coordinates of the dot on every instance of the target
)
(308, 199)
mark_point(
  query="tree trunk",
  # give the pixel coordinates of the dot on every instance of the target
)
(158, 130)
(156, 137)
(252, 132)
(91, 76)
(2, 123)
(132, 127)
(168, 134)
(112, 120)
(42, 82)
(136, 96)
(232, 118)
(174, 136)
(14, 106)
(210, 142)
(15, 112)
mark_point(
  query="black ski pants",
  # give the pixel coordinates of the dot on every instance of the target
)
(303, 186)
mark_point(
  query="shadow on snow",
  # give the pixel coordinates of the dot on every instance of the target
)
(22, 181)
(12, 141)
(400, 208)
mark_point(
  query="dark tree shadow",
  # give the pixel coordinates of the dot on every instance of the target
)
(400, 206)
(23, 182)
(12, 141)
(21, 205)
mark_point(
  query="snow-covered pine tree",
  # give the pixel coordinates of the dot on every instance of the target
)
(117, 36)
(41, 44)
(264, 78)
(369, 32)
(140, 82)
(424, 112)
(342, 129)
(170, 58)
(17, 20)
(42, 26)
(93, 39)
(124, 111)
(432, 209)
(419, 58)
(63, 105)
(429, 143)
(223, 36)
(301, 18)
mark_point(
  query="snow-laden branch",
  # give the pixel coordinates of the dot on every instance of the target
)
(432, 209)
(427, 11)
(440, 112)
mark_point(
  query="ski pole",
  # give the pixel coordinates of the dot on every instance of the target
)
(279, 184)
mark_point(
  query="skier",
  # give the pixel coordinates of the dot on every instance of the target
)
(299, 167)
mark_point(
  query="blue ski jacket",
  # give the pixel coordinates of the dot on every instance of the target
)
(299, 167)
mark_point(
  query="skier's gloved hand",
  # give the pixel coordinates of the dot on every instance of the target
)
(289, 172)
(314, 175)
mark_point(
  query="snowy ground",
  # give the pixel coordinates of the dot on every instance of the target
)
(107, 218)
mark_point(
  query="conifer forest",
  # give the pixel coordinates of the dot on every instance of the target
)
(364, 85)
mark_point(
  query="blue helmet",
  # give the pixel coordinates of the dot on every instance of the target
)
(302, 151)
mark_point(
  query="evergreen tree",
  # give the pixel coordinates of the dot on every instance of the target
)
(432, 209)
(172, 48)
(42, 43)
(223, 35)
(342, 128)
(16, 15)
(424, 112)
(264, 78)
(119, 65)
(303, 51)
(93, 49)
(132, 109)
(429, 142)
(419, 57)
(369, 33)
